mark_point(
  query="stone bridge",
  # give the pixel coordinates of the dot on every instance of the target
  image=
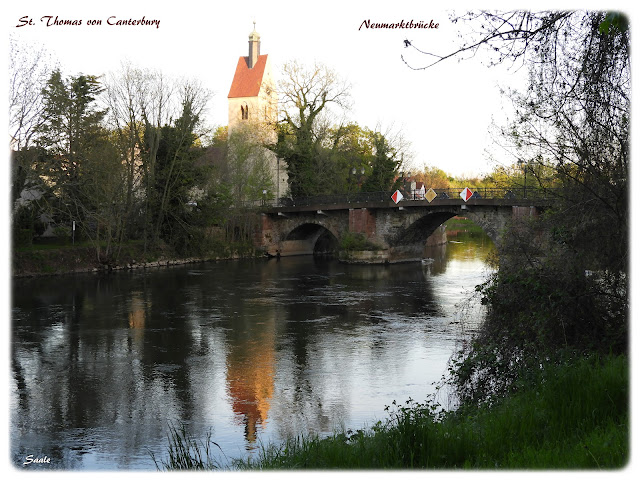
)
(396, 232)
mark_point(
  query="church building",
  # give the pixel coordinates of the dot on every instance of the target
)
(252, 97)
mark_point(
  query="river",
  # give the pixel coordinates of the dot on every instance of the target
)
(249, 351)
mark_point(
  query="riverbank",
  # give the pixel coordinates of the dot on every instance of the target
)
(575, 416)
(42, 260)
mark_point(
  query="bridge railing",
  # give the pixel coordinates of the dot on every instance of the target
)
(357, 197)
(518, 193)
(515, 194)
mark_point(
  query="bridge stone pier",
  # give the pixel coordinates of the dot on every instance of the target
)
(399, 232)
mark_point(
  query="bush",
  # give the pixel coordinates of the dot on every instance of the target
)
(357, 242)
(26, 223)
(544, 305)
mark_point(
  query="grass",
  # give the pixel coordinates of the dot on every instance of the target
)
(574, 417)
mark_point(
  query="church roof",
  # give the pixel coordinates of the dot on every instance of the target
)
(247, 81)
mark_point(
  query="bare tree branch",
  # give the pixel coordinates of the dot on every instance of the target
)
(508, 34)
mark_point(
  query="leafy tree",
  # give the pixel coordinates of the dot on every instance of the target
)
(175, 171)
(305, 94)
(562, 284)
(248, 170)
(220, 136)
(575, 117)
(343, 160)
(433, 177)
(102, 186)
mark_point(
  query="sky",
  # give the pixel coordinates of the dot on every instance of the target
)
(444, 113)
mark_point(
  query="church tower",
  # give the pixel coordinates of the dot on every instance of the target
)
(252, 97)
(253, 110)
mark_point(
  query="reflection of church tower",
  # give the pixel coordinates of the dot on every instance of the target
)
(251, 374)
(137, 315)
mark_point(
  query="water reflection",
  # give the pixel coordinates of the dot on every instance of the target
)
(251, 372)
(255, 351)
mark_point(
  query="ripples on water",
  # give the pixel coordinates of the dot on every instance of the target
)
(253, 351)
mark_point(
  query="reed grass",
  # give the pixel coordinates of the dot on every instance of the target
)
(186, 453)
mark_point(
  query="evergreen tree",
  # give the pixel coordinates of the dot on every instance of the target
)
(384, 166)
(176, 175)
(70, 132)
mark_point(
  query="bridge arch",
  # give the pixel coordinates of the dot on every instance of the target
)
(418, 231)
(310, 238)
(418, 226)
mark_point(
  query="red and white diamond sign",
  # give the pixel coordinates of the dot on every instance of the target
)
(466, 194)
(397, 196)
